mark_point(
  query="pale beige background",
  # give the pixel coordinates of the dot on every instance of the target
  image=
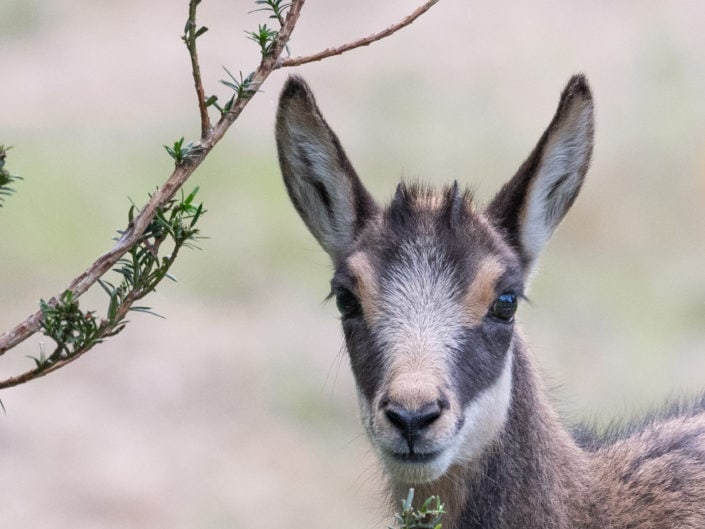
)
(238, 410)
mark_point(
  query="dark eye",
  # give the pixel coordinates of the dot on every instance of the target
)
(347, 303)
(504, 307)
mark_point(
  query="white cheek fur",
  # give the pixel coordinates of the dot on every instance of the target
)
(485, 415)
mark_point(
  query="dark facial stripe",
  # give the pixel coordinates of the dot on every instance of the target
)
(480, 358)
(366, 358)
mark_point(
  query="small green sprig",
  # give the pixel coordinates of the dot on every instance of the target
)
(276, 7)
(242, 87)
(142, 268)
(428, 516)
(191, 30)
(191, 33)
(72, 329)
(264, 37)
(179, 152)
(6, 178)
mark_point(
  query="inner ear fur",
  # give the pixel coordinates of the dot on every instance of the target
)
(531, 205)
(319, 178)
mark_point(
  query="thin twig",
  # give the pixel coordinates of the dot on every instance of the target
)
(181, 173)
(38, 373)
(190, 40)
(365, 41)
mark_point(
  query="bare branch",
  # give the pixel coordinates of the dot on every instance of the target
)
(365, 41)
(41, 371)
(38, 373)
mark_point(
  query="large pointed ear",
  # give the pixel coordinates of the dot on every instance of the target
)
(532, 204)
(321, 182)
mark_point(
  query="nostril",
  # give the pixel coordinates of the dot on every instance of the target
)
(411, 422)
(426, 417)
(399, 417)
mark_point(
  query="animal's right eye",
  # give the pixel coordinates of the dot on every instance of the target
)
(504, 307)
(347, 303)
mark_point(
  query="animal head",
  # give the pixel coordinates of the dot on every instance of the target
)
(428, 286)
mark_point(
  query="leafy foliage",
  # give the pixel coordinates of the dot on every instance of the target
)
(141, 270)
(243, 88)
(72, 329)
(5, 177)
(264, 36)
(179, 152)
(276, 7)
(428, 516)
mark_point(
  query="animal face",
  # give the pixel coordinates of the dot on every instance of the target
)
(428, 286)
(427, 297)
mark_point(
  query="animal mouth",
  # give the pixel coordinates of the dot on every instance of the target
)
(415, 457)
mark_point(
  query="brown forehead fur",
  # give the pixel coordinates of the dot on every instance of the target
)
(367, 284)
(482, 289)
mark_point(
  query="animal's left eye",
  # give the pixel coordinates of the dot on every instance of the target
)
(504, 307)
(347, 303)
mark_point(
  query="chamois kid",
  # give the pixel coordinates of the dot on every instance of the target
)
(427, 288)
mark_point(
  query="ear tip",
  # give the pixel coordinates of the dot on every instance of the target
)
(576, 99)
(578, 86)
(296, 101)
(295, 86)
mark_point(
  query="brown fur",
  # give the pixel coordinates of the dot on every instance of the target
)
(482, 289)
(655, 478)
(366, 282)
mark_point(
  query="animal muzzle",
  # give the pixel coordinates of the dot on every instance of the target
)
(413, 417)
(412, 424)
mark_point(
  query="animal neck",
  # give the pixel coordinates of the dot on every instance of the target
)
(532, 476)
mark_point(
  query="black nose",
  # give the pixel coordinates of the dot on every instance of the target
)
(411, 422)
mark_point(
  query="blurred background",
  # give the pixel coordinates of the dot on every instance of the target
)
(238, 410)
